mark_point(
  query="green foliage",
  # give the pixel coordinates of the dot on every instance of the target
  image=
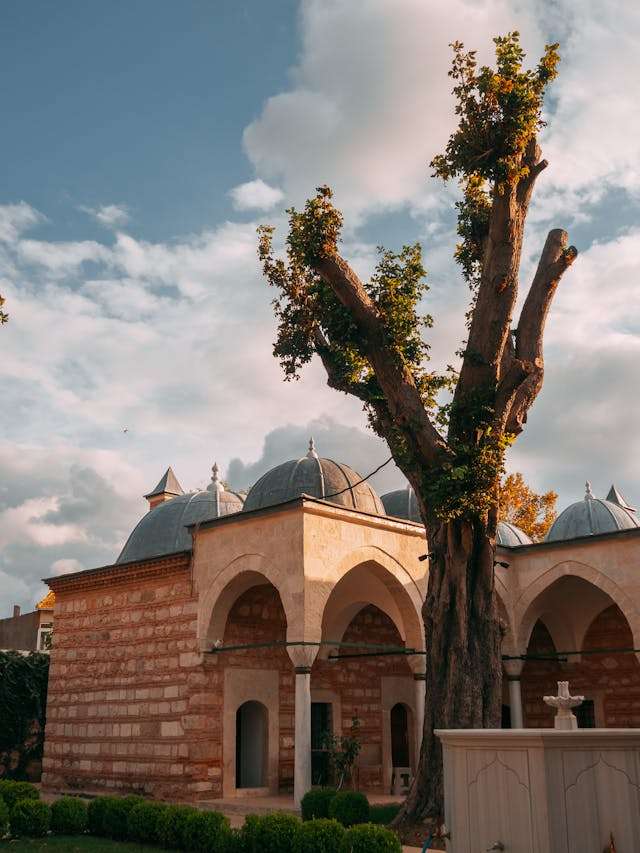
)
(3, 317)
(23, 700)
(383, 814)
(235, 842)
(369, 838)
(11, 792)
(249, 833)
(273, 833)
(315, 803)
(108, 816)
(206, 832)
(171, 826)
(68, 816)
(343, 751)
(4, 818)
(30, 817)
(142, 823)
(319, 836)
(349, 808)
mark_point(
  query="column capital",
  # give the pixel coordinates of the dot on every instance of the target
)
(513, 668)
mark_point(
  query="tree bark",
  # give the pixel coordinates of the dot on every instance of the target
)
(463, 657)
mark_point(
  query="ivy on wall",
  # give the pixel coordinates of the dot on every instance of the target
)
(23, 701)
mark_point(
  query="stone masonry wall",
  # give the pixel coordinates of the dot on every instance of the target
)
(123, 710)
(612, 680)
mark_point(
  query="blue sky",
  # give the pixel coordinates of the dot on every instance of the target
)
(143, 143)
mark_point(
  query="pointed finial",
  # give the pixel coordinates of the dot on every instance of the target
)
(589, 496)
(311, 453)
(215, 485)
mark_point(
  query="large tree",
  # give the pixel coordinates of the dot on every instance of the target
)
(532, 512)
(370, 337)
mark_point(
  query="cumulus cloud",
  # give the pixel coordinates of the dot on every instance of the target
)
(109, 215)
(370, 101)
(255, 195)
(15, 219)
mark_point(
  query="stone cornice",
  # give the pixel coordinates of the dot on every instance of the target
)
(108, 575)
(632, 533)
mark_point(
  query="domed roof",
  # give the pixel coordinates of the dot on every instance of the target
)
(163, 530)
(511, 536)
(591, 516)
(317, 477)
(402, 503)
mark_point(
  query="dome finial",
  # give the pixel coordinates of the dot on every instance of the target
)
(215, 485)
(311, 453)
(589, 496)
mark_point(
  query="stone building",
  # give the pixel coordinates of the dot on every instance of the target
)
(231, 634)
(29, 632)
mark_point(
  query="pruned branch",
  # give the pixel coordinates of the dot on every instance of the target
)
(555, 259)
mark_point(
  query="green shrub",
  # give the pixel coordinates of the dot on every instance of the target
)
(349, 808)
(30, 817)
(142, 823)
(171, 826)
(11, 792)
(4, 818)
(108, 816)
(369, 838)
(319, 836)
(384, 814)
(315, 803)
(249, 833)
(276, 833)
(235, 842)
(206, 832)
(69, 816)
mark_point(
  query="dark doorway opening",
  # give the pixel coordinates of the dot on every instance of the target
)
(400, 736)
(321, 727)
(586, 715)
(506, 717)
(251, 745)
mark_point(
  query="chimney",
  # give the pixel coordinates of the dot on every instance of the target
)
(16, 611)
(167, 488)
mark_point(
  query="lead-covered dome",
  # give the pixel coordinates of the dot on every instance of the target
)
(164, 529)
(402, 503)
(510, 536)
(317, 477)
(592, 516)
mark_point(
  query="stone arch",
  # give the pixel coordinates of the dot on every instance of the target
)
(535, 599)
(236, 578)
(381, 582)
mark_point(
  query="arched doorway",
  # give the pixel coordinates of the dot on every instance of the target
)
(251, 745)
(400, 751)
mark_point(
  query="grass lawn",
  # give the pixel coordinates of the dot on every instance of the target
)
(73, 844)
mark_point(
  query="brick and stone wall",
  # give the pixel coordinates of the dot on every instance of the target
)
(611, 680)
(122, 710)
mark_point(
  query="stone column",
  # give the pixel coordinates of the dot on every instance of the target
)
(513, 669)
(420, 679)
(302, 762)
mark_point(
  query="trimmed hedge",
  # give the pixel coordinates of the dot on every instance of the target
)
(276, 833)
(315, 803)
(108, 816)
(370, 838)
(69, 816)
(30, 817)
(319, 836)
(4, 818)
(206, 832)
(349, 808)
(11, 792)
(384, 814)
(23, 702)
(142, 823)
(171, 826)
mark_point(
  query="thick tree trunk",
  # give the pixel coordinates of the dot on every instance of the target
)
(463, 639)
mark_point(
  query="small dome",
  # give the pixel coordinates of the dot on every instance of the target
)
(591, 516)
(163, 530)
(317, 477)
(511, 536)
(402, 503)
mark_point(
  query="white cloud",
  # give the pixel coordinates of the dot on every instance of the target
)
(109, 215)
(370, 103)
(62, 258)
(255, 195)
(65, 567)
(16, 218)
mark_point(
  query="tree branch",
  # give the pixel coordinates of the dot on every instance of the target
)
(394, 377)
(555, 259)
